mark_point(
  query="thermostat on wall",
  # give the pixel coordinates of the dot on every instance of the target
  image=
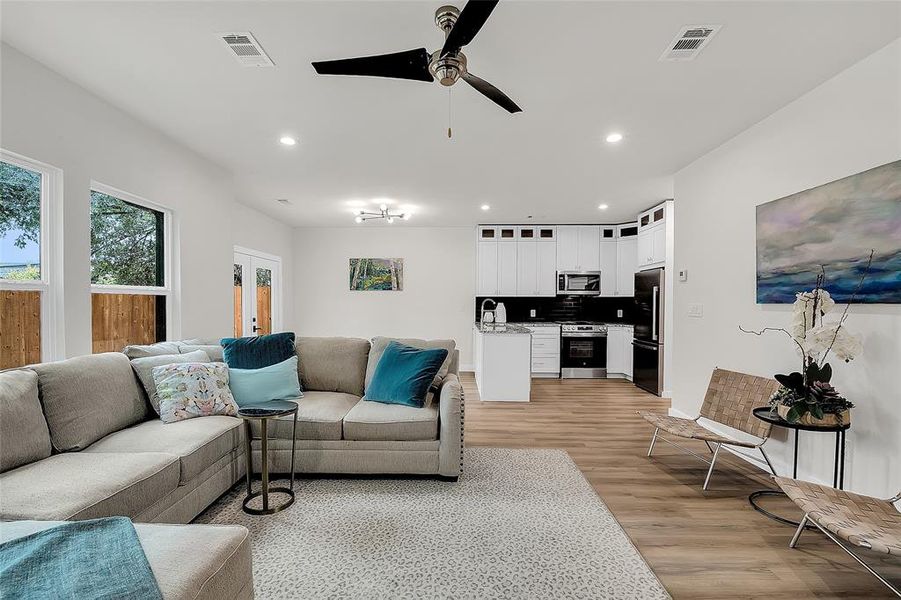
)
(683, 275)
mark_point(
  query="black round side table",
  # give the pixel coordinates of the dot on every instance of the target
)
(769, 415)
(264, 412)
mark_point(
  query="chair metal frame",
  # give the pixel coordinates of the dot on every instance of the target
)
(807, 518)
(714, 450)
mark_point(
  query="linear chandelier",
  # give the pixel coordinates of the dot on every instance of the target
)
(365, 215)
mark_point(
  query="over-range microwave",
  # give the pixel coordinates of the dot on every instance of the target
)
(582, 283)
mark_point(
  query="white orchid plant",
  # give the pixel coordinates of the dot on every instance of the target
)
(816, 334)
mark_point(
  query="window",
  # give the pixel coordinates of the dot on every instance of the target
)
(30, 308)
(131, 291)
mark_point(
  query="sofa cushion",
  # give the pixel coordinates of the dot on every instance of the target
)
(214, 351)
(333, 364)
(319, 417)
(380, 343)
(405, 374)
(256, 352)
(87, 485)
(197, 442)
(222, 570)
(143, 351)
(24, 436)
(374, 421)
(143, 368)
(88, 397)
(256, 386)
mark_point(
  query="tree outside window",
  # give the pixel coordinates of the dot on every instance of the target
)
(126, 243)
(20, 223)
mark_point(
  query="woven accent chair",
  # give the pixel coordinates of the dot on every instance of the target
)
(862, 521)
(729, 401)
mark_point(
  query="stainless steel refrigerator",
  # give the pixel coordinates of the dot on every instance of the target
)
(647, 346)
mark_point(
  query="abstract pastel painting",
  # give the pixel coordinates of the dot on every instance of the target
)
(833, 227)
(377, 274)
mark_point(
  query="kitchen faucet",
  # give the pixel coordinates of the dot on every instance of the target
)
(482, 309)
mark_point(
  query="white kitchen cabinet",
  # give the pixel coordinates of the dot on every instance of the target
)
(607, 263)
(567, 248)
(527, 268)
(545, 350)
(486, 284)
(547, 268)
(502, 365)
(626, 265)
(578, 248)
(619, 352)
(589, 248)
(506, 268)
(658, 244)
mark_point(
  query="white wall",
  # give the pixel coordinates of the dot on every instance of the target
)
(439, 283)
(50, 119)
(847, 125)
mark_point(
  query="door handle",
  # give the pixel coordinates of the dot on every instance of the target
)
(654, 295)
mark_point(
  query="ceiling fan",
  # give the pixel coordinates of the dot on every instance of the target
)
(448, 64)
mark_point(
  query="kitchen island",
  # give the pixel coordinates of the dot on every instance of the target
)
(503, 362)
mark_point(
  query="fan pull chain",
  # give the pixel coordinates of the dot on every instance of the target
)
(449, 132)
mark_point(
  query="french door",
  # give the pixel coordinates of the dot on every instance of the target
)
(257, 293)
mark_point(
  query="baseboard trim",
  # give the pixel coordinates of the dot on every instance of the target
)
(466, 368)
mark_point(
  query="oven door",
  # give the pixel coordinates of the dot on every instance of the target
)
(583, 355)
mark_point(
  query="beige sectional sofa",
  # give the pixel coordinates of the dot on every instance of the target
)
(79, 440)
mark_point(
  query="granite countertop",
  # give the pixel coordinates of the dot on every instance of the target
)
(501, 329)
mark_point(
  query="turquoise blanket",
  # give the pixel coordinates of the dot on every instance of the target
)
(82, 560)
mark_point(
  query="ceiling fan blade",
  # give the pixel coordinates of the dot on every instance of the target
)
(491, 92)
(410, 64)
(468, 24)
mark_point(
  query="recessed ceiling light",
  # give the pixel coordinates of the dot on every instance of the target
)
(614, 137)
(603, 206)
(287, 140)
(485, 207)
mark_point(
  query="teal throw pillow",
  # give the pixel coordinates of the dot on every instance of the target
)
(259, 351)
(275, 382)
(404, 374)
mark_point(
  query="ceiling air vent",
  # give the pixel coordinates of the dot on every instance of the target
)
(245, 48)
(689, 42)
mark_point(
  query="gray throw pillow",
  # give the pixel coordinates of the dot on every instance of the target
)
(214, 351)
(143, 368)
(23, 430)
(158, 349)
(380, 343)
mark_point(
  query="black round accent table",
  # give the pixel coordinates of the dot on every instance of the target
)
(264, 412)
(769, 415)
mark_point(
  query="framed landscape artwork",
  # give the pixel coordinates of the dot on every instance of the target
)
(833, 227)
(377, 274)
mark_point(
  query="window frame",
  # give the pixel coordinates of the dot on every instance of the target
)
(169, 286)
(53, 336)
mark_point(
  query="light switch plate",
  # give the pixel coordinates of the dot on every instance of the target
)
(696, 310)
(532, 313)
(619, 313)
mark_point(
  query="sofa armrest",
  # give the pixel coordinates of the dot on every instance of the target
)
(450, 428)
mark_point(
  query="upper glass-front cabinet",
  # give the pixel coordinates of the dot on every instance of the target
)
(487, 233)
(652, 217)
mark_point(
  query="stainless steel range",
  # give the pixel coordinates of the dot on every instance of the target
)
(583, 350)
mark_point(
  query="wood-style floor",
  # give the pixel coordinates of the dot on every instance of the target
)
(700, 544)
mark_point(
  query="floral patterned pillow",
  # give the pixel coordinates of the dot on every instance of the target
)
(188, 390)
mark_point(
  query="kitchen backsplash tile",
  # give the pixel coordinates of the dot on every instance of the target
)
(564, 308)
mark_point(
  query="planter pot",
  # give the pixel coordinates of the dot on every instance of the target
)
(828, 420)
